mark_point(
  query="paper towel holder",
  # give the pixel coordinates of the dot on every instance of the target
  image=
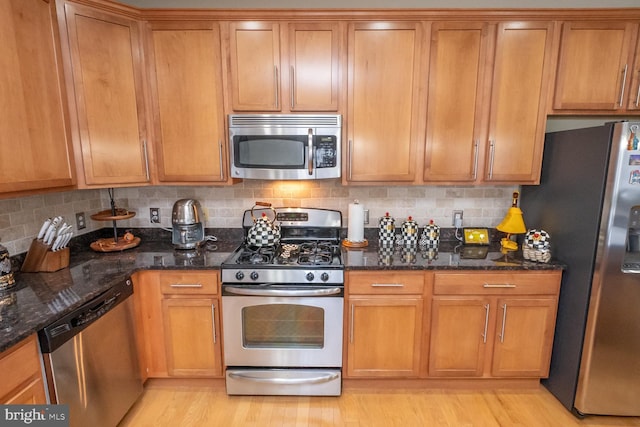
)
(347, 243)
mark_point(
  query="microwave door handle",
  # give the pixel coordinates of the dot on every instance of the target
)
(310, 148)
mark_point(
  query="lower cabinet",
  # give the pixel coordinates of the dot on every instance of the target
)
(178, 323)
(22, 382)
(384, 324)
(493, 324)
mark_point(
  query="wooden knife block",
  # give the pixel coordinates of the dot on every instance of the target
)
(40, 258)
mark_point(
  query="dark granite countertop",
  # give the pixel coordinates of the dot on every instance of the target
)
(39, 299)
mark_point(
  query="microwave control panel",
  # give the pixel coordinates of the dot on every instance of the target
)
(326, 153)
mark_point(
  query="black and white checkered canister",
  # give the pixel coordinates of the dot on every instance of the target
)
(537, 239)
(387, 231)
(410, 233)
(430, 236)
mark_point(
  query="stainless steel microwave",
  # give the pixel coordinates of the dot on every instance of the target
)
(285, 146)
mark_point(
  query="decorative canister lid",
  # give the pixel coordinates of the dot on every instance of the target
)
(6, 275)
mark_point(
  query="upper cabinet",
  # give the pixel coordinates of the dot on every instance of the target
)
(384, 90)
(517, 119)
(456, 108)
(305, 77)
(596, 73)
(486, 108)
(108, 97)
(35, 142)
(185, 70)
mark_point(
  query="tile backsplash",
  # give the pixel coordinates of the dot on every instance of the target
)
(20, 218)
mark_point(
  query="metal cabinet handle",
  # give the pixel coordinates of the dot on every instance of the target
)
(387, 285)
(624, 82)
(504, 319)
(475, 159)
(221, 161)
(146, 158)
(349, 165)
(293, 86)
(213, 323)
(486, 323)
(186, 285)
(498, 285)
(351, 325)
(492, 152)
(276, 85)
(310, 149)
(638, 93)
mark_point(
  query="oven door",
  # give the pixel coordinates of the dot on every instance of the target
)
(282, 326)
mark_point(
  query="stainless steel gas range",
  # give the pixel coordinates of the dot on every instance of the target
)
(282, 308)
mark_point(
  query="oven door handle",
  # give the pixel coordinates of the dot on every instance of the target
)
(324, 378)
(283, 292)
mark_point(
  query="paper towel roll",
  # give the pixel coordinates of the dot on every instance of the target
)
(355, 233)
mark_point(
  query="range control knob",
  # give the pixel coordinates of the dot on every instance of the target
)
(254, 275)
(310, 277)
(324, 277)
(239, 275)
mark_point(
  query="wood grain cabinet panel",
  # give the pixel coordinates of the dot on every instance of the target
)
(185, 68)
(384, 83)
(595, 67)
(106, 68)
(21, 374)
(35, 141)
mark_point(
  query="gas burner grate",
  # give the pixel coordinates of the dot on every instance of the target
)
(255, 256)
(314, 259)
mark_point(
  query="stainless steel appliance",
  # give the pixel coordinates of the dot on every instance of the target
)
(589, 202)
(187, 220)
(285, 146)
(91, 360)
(282, 308)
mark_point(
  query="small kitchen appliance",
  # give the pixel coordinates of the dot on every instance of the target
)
(282, 307)
(188, 224)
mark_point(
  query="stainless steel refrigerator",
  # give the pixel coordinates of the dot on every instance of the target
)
(589, 202)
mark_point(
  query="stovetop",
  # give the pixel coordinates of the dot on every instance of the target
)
(304, 254)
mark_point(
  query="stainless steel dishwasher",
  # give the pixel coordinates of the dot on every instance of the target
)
(91, 361)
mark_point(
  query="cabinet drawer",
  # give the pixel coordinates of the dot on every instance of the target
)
(498, 283)
(392, 283)
(18, 364)
(183, 282)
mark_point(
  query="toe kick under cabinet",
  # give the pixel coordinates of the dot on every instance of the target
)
(493, 324)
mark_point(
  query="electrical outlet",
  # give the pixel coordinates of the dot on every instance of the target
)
(154, 215)
(81, 221)
(366, 216)
(457, 218)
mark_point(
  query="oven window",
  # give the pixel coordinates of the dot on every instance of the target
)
(269, 151)
(282, 326)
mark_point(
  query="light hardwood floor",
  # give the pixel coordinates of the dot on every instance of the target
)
(205, 403)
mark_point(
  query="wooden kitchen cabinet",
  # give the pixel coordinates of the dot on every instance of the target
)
(35, 138)
(385, 83)
(185, 69)
(179, 323)
(596, 72)
(106, 68)
(456, 107)
(493, 324)
(22, 382)
(522, 71)
(305, 77)
(384, 324)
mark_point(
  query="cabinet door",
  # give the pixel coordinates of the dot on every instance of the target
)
(456, 116)
(314, 59)
(192, 336)
(32, 394)
(594, 65)
(459, 327)
(186, 87)
(634, 89)
(518, 102)
(524, 337)
(34, 137)
(107, 79)
(384, 337)
(21, 375)
(384, 84)
(255, 66)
